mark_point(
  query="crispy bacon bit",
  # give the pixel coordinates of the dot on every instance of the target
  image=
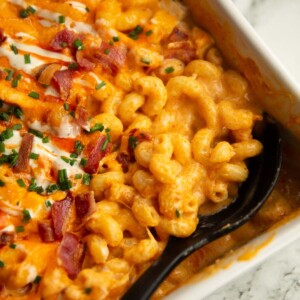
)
(85, 205)
(6, 237)
(82, 117)
(60, 215)
(71, 253)
(96, 155)
(127, 156)
(64, 82)
(63, 39)
(83, 62)
(182, 50)
(2, 37)
(22, 164)
(46, 72)
(110, 57)
(177, 35)
(3, 74)
(46, 231)
(124, 159)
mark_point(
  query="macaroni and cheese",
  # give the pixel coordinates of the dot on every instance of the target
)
(119, 120)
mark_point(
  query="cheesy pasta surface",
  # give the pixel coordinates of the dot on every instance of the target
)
(119, 121)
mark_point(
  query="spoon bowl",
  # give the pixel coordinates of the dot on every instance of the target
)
(263, 174)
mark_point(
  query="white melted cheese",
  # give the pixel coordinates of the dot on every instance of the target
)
(68, 128)
(39, 51)
(13, 143)
(46, 23)
(24, 35)
(17, 61)
(19, 3)
(9, 228)
(46, 14)
(78, 5)
(32, 272)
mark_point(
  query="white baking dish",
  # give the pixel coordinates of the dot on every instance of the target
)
(279, 94)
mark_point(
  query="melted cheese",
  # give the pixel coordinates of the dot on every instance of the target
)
(78, 5)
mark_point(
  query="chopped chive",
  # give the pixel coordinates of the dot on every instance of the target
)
(48, 203)
(61, 19)
(34, 155)
(169, 70)
(78, 176)
(31, 9)
(21, 183)
(149, 32)
(64, 183)
(73, 66)
(37, 279)
(106, 51)
(145, 60)
(34, 95)
(16, 111)
(65, 159)
(45, 139)
(2, 147)
(134, 34)
(178, 214)
(100, 85)
(86, 178)
(35, 132)
(2, 183)
(87, 291)
(73, 155)
(78, 44)
(26, 216)
(10, 74)
(105, 144)
(72, 114)
(4, 116)
(24, 13)
(87, 9)
(97, 127)
(111, 43)
(13, 246)
(17, 127)
(39, 190)
(19, 76)
(32, 185)
(2, 264)
(14, 49)
(6, 134)
(133, 142)
(78, 147)
(116, 38)
(52, 188)
(20, 229)
(83, 162)
(27, 59)
(14, 83)
(66, 106)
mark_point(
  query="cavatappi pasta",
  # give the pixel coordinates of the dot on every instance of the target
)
(118, 122)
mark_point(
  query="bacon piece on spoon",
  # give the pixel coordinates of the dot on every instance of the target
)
(70, 253)
(22, 164)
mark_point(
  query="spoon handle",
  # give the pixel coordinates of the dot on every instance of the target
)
(175, 252)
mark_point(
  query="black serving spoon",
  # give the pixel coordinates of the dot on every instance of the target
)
(263, 173)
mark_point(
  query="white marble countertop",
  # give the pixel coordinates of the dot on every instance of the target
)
(278, 278)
